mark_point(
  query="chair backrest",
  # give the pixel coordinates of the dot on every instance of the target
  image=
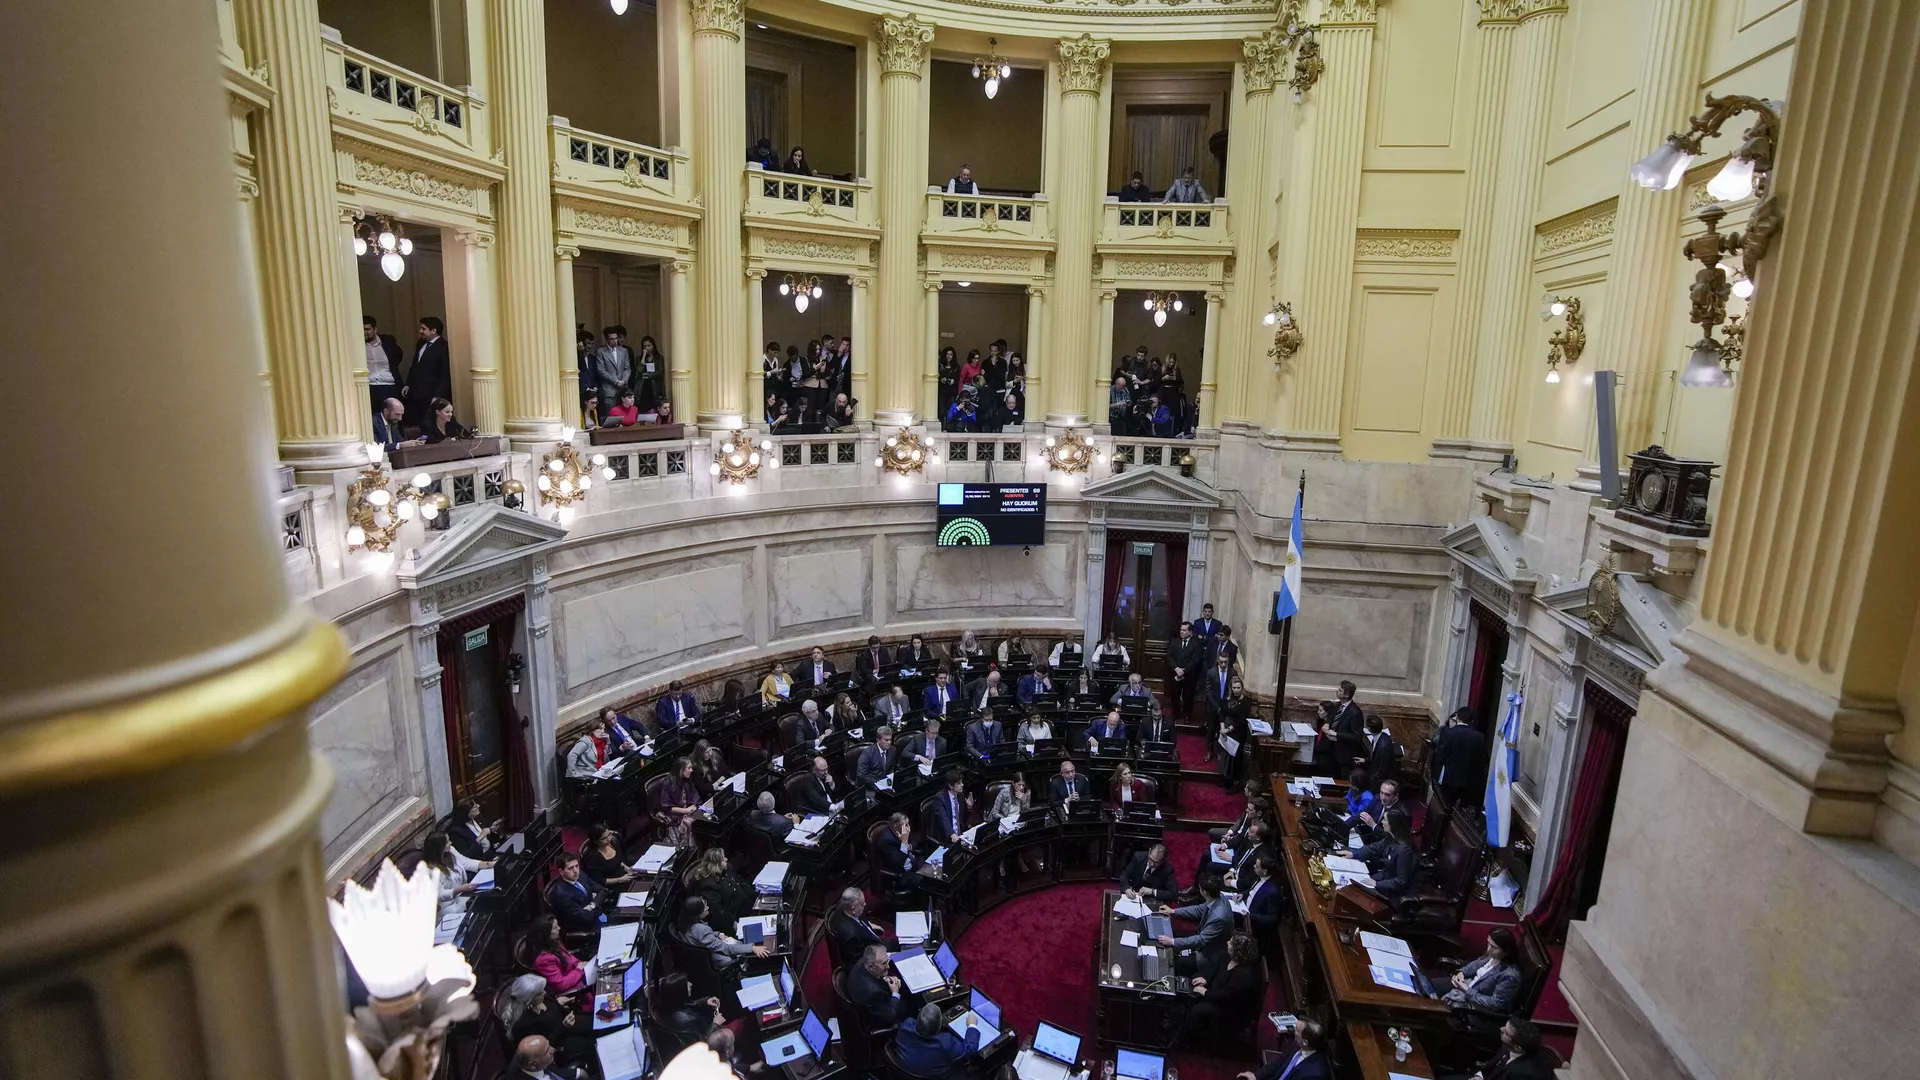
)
(789, 726)
(696, 964)
(874, 831)
(1536, 966)
(1153, 788)
(856, 1041)
(756, 849)
(652, 790)
(926, 812)
(1457, 862)
(791, 790)
(1438, 813)
(897, 1069)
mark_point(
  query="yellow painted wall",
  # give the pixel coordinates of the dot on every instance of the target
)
(602, 70)
(1397, 348)
(1001, 139)
(400, 31)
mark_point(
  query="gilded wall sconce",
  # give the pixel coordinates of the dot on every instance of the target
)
(1567, 344)
(1287, 337)
(905, 453)
(736, 460)
(1071, 453)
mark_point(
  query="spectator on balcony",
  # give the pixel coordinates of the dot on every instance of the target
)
(1006, 412)
(773, 371)
(995, 369)
(1136, 190)
(625, 414)
(441, 425)
(762, 152)
(777, 413)
(797, 163)
(431, 376)
(386, 426)
(840, 415)
(1119, 403)
(818, 386)
(843, 365)
(1159, 417)
(1187, 189)
(949, 372)
(964, 413)
(383, 362)
(963, 184)
(796, 369)
(613, 362)
(970, 370)
(649, 373)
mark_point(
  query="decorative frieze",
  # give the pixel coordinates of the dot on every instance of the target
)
(1158, 268)
(1516, 10)
(415, 182)
(980, 260)
(1496, 596)
(1349, 12)
(631, 226)
(902, 44)
(1405, 244)
(1561, 234)
(812, 249)
(1083, 64)
(1616, 673)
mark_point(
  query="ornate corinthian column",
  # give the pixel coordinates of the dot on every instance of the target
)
(153, 750)
(1233, 342)
(901, 45)
(719, 134)
(1069, 362)
(304, 292)
(528, 330)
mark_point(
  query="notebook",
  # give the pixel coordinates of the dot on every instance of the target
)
(910, 927)
(917, 971)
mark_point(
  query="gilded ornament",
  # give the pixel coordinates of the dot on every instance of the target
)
(1603, 596)
(636, 227)
(813, 249)
(903, 43)
(414, 182)
(719, 16)
(634, 174)
(426, 114)
(1589, 228)
(1407, 245)
(1356, 12)
(1264, 56)
(1083, 64)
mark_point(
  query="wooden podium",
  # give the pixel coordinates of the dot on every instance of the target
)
(1354, 902)
(609, 436)
(407, 457)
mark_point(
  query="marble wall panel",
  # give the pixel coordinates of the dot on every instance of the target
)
(362, 729)
(971, 583)
(658, 614)
(821, 586)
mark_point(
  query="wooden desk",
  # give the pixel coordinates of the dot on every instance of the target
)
(407, 457)
(608, 436)
(1350, 986)
(1373, 1053)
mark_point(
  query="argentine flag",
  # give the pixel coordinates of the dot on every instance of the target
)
(1506, 762)
(1289, 602)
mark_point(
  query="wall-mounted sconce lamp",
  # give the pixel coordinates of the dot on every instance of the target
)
(1564, 345)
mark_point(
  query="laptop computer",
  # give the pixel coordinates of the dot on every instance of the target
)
(984, 1010)
(1159, 926)
(810, 1038)
(1134, 1065)
(944, 959)
(1055, 1050)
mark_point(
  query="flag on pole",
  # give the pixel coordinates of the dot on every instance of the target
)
(1506, 761)
(1288, 603)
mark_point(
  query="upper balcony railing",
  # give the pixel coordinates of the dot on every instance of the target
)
(787, 195)
(1204, 223)
(591, 159)
(998, 215)
(373, 90)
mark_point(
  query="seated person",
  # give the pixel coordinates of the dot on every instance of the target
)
(1257, 809)
(1033, 728)
(1013, 648)
(876, 761)
(1110, 647)
(849, 928)
(984, 734)
(1149, 875)
(1360, 800)
(770, 821)
(624, 414)
(456, 872)
(676, 708)
(686, 1019)
(690, 927)
(526, 1009)
(727, 897)
(947, 817)
(1520, 1057)
(1369, 822)
(386, 425)
(441, 425)
(925, 745)
(917, 654)
(1125, 787)
(1068, 786)
(926, 1048)
(819, 793)
(534, 1058)
(1490, 982)
(1069, 650)
(839, 414)
(626, 733)
(470, 837)
(1391, 860)
(1214, 918)
(576, 902)
(593, 750)
(939, 695)
(816, 671)
(1309, 1061)
(566, 976)
(1109, 729)
(1039, 682)
(1135, 689)
(1230, 993)
(1156, 728)
(843, 715)
(777, 686)
(983, 693)
(1253, 844)
(870, 660)
(808, 728)
(874, 990)
(600, 859)
(893, 706)
(893, 850)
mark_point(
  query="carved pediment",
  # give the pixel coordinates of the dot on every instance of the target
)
(1643, 620)
(1494, 548)
(1154, 485)
(486, 539)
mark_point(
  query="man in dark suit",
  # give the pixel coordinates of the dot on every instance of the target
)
(431, 375)
(925, 745)
(577, 903)
(1349, 727)
(1223, 645)
(817, 671)
(1150, 875)
(1391, 860)
(1383, 757)
(947, 817)
(817, 793)
(624, 733)
(984, 734)
(1264, 903)
(1459, 753)
(939, 695)
(1520, 1057)
(1309, 1061)
(870, 660)
(850, 930)
(676, 708)
(1068, 784)
(1205, 625)
(770, 821)
(875, 990)
(893, 706)
(1156, 728)
(1214, 916)
(984, 692)
(1185, 660)
(386, 426)
(1040, 681)
(1253, 844)
(878, 760)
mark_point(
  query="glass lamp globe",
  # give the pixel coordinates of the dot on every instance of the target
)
(1733, 182)
(1743, 288)
(766, 444)
(406, 246)
(1703, 366)
(375, 453)
(877, 463)
(1553, 375)
(386, 240)
(543, 483)
(421, 480)
(1160, 318)
(566, 486)
(1006, 71)
(976, 71)
(993, 87)
(405, 510)
(714, 468)
(800, 301)
(1662, 169)
(1146, 305)
(429, 511)
(359, 245)
(392, 265)
(1178, 304)
(378, 497)
(356, 536)
(735, 459)
(607, 472)
(556, 465)
(586, 481)
(785, 288)
(619, 7)
(818, 292)
(753, 458)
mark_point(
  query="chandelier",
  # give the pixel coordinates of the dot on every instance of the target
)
(993, 67)
(804, 289)
(565, 477)
(1071, 453)
(376, 513)
(1563, 345)
(737, 461)
(1159, 302)
(905, 453)
(385, 235)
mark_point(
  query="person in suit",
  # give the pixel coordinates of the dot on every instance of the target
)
(1390, 859)
(1126, 788)
(892, 707)
(613, 363)
(817, 794)
(383, 362)
(1039, 681)
(868, 662)
(771, 821)
(1109, 729)
(534, 1058)
(1369, 821)
(431, 374)
(1184, 661)
(1309, 1060)
(807, 728)
(1383, 757)
(1490, 982)
(1230, 994)
(576, 902)
(1206, 625)
(984, 734)
(981, 694)
(1149, 875)
(676, 708)
(850, 930)
(1349, 726)
(1265, 904)
(386, 425)
(925, 1048)
(470, 836)
(947, 817)
(690, 927)
(1134, 689)
(1068, 785)
(1223, 645)
(917, 654)
(1459, 753)
(1252, 847)
(1156, 728)
(1214, 918)
(1258, 811)
(1219, 688)
(875, 991)
(816, 671)
(1231, 723)
(939, 695)
(926, 744)
(1520, 1057)
(624, 733)
(876, 761)
(892, 851)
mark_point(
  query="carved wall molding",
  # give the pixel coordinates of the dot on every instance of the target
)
(418, 183)
(812, 249)
(902, 44)
(1584, 227)
(1405, 243)
(1615, 673)
(1516, 10)
(980, 260)
(1496, 596)
(1355, 12)
(637, 226)
(719, 16)
(1083, 64)
(1190, 269)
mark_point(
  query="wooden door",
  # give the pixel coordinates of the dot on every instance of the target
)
(1146, 582)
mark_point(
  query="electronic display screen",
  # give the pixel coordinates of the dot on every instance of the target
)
(1138, 1066)
(982, 515)
(1061, 1046)
(946, 962)
(815, 1033)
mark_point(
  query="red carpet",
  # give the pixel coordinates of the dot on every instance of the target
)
(1558, 1024)
(1201, 797)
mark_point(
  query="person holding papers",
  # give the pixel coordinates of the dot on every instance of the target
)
(567, 978)
(771, 821)
(576, 902)
(600, 858)
(690, 927)
(1390, 859)
(1484, 990)
(677, 804)
(676, 708)
(1308, 1062)
(592, 751)
(1230, 997)
(776, 687)
(1230, 732)
(726, 895)
(471, 838)
(926, 1048)
(947, 817)
(1228, 840)
(876, 762)
(938, 695)
(1126, 788)
(526, 1009)
(1010, 801)
(1214, 914)
(849, 928)
(1149, 875)
(456, 873)
(817, 794)
(875, 990)
(926, 744)
(1068, 785)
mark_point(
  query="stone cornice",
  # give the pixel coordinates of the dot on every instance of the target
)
(1083, 64)
(902, 44)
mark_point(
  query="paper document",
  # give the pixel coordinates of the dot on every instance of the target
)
(738, 782)
(910, 927)
(833, 1027)
(768, 926)
(1394, 978)
(1354, 843)
(516, 843)
(918, 973)
(1342, 865)
(623, 1053)
(656, 857)
(1385, 943)
(938, 858)
(1501, 889)
(755, 994)
(1259, 727)
(483, 879)
(707, 807)
(1009, 823)
(1323, 781)
(885, 783)
(1230, 744)
(1129, 938)
(1300, 731)
(771, 878)
(1390, 1076)
(972, 835)
(1390, 961)
(1341, 880)
(609, 770)
(926, 768)
(856, 733)
(810, 825)
(632, 901)
(1238, 903)
(1130, 908)
(616, 943)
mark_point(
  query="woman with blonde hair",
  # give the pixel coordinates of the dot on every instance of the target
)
(713, 880)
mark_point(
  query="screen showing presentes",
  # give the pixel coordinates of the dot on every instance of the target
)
(983, 515)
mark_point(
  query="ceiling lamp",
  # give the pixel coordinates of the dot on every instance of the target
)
(1563, 345)
(376, 512)
(804, 288)
(1071, 453)
(1159, 302)
(565, 477)
(905, 453)
(416, 990)
(736, 460)
(993, 67)
(386, 236)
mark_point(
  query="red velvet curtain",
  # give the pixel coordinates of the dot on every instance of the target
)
(1482, 643)
(1117, 554)
(1599, 776)
(500, 620)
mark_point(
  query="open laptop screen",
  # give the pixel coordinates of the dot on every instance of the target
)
(1060, 1045)
(816, 1034)
(1138, 1066)
(946, 962)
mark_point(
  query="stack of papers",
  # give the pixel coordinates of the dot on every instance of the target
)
(918, 973)
(483, 880)
(1009, 823)
(623, 1053)
(1305, 788)
(616, 943)
(656, 857)
(856, 734)
(1259, 727)
(926, 768)
(1323, 781)
(1301, 732)
(632, 901)
(1390, 961)
(1130, 908)
(1340, 865)
(885, 783)
(757, 992)
(911, 927)
(1394, 978)
(1385, 943)
(707, 807)
(771, 879)
(610, 770)
(1501, 889)
(972, 835)
(449, 927)
(1129, 938)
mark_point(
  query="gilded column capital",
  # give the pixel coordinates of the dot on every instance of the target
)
(903, 42)
(719, 16)
(1083, 64)
(565, 251)
(1266, 60)
(1350, 12)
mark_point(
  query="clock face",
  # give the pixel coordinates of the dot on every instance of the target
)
(1653, 491)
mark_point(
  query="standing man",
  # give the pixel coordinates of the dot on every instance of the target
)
(1459, 752)
(1205, 625)
(1349, 728)
(383, 362)
(589, 378)
(1186, 658)
(1187, 189)
(613, 362)
(963, 184)
(431, 375)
